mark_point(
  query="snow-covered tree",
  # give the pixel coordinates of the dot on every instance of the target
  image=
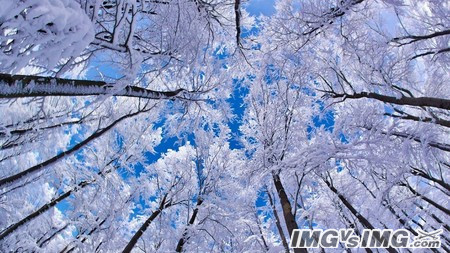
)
(344, 123)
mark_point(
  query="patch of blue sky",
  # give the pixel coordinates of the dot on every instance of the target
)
(166, 144)
(261, 200)
(201, 177)
(74, 140)
(77, 137)
(214, 127)
(173, 143)
(159, 123)
(343, 138)
(250, 151)
(139, 207)
(102, 70)
(221, 52)
(325, 120)
(388, 109)
(308, 91)
(119, 140)
(64, 205)
(260, 204)
(236, 102)
(253, 31)
(173, 222)
(339, 167)
(260, 7)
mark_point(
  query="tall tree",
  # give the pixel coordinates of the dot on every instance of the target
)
(121, 119)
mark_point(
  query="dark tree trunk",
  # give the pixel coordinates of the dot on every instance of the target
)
(185, 237)
(358, 215)
(42, 243)
(51, 204)
(330, 16)
(430, 201)
(41, 210)
(414, 38)
(21, 132)
(421, 173)
(432, 215)
(441, 146)
(68, 152)
(19, 86)
(65, 250)
(278, 223)
(289, 218)
(438, 121)
(441, 103)
(266, 248)
(144, 226)
(237, 16)
(350, 224)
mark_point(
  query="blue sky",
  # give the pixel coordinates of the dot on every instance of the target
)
(260, 7)
(236, 102)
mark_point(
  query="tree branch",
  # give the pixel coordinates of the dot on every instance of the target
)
(441, 103)
(19, 86)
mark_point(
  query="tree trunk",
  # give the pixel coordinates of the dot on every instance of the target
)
(278, 223)
(144, 226)
(19, 86)
(432, 215)
(441, 103)
(237, 16)
(438, 121)
(330, 16)
(421, 173)
(386, 204)
(358, 215)
(430, 201)
(42, 243)
(21, 132)
(51, 204)
(41, 210)
(184, 237)
(438, 145)
(85, 238)
(441, 146)
(58, 157)
(289, 219)
(258, 222)
(351, 225)
(414, 38)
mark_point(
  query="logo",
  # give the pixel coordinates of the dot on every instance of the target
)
(427, 240)
(369, 238)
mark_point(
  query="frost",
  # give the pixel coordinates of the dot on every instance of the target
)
(41, 32)
(310, 98)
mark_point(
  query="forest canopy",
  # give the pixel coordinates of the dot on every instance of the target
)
(202, 126)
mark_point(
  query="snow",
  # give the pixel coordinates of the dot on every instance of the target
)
(186, 150)
(42, 32)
